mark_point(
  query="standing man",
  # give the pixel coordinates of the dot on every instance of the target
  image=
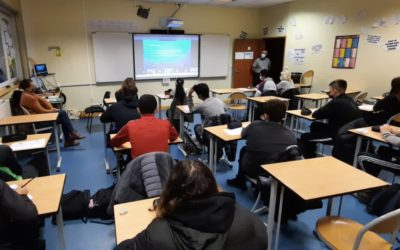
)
(259, 64)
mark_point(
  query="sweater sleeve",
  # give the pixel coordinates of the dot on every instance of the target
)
(325, 112)
(392, 139)
(173, 134)
(381, 104)
(121, 137)
(15, 206)
(107, 116)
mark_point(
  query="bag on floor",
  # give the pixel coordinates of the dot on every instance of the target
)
(98, 203)
(74, 205)
(385, 201)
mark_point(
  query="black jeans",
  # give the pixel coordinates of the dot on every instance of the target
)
(318, 130)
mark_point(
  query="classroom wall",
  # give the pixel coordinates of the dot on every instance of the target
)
(375, 67)
(63, 23)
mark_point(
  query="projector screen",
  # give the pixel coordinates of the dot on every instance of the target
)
(165, 56)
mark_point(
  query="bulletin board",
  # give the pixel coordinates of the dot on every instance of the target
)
(345, 52)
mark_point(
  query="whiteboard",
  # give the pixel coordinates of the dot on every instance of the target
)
(113, 56)
(214, 55)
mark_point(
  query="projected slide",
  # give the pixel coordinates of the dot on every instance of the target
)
(165, 56)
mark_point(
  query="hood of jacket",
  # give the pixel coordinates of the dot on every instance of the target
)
(202, 224)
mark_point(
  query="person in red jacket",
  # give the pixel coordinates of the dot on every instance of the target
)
(147, 134)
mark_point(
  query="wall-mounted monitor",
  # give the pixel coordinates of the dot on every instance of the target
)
(165, 56)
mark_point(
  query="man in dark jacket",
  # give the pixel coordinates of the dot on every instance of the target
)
(19, 224)
(266, 139)
(389, 105)
(339, 111)
(123, 111)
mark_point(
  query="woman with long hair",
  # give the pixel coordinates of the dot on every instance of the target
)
(179, 98)
(192, 214)
(127, 85)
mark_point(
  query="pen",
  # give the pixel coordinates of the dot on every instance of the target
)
(27, 182)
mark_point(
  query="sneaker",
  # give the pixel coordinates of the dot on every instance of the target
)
(237, 183)
(71, 143)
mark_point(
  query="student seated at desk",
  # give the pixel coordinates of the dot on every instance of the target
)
(127, 84)
(147, 134)
(37, 166)
(38, 105)
(193, 214)
(339, 111)
(265, 140)
(210, 107)
(19, 220)
(387, 157)
(389, 105)
(179, 99)
(124, 110)
(286, 82)
(267, 84)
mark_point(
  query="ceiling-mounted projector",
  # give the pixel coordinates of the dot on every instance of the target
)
(174, 23)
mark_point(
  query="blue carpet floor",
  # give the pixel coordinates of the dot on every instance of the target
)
(84, 166)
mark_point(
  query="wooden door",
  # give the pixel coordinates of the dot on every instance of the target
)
(241, 72)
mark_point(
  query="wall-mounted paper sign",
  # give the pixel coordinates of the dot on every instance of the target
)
(248, 55)
(239, 55)
(316, 48)
(373, 39)
(391, 45)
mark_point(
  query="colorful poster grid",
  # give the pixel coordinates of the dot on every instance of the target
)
(345, 52)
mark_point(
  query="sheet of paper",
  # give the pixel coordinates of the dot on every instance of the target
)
(341, 19)
(239, 55)
(235, 131)
(362, 130)
(316, 48)
(248, 55)
(292, 22)
(391, 45)
(366, 107)
(329, 19)
(26, 145)
(373, 39)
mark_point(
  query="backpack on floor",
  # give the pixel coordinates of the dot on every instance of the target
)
(74, 205)
(99, 202)
(385, 201)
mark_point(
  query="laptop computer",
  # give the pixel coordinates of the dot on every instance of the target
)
(41, 69)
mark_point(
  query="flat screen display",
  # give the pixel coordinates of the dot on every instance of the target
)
(165, 56)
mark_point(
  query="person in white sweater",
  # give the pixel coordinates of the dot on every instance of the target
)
(286, 82)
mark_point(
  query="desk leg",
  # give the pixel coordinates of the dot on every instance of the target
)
(59, 158)
(299, 104)
(278, 223)
(60, 227)
(357, 151)
(117, 156)
(159, 107)
(48, 159)
(250, 116)
(271, 211)
(211, 154)
(13, 129)
(329, 207)
(291, 122)
(181, 132)
(107, 166)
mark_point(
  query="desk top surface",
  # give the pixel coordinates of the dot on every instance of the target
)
(220, 132)
(21, 119)
(110, 100)
(132, 217)
(377, 97)
(127, 145)
(231, 90)
(368, 133)
(322, 177)
(4, 91)
(297, 112)
(262, 99)
(164, 96)
(32, 137)
(348, 91)
(313, 96)
(46, 192)
(184, 109)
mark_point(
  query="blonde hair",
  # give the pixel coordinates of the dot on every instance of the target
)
(286, 75)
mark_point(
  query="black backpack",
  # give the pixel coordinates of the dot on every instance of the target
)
(74, 205)
(385, 201)
(100, 201)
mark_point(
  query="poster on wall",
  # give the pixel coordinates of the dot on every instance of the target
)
(345, 52)
(299, 55)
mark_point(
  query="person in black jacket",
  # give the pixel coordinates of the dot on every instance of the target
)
(265, 140)
(389, 105)
(19, 221)
(124, 110)
(127, 84)
(193, 214)
(339, 111)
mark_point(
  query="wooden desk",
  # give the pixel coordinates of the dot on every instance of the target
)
(297, 114)
(378, 98)
(317, 178)
(315, 97)
(45, 136)
(46, 194)
(215, 92)
(348, 91)
(110, 100)
(161, 97)
(136, 218)
(260, 99)
(302, 85)
(365, 133)
(219, 132)
(36, 118)
(4, 91)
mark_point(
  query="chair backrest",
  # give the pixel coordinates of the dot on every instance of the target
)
(385, 224)
(290, 94)
(394, 120)
(361, 97)
(291, 153)
(237, 97)
(107, 94)
(15, 103)
(307, 77)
